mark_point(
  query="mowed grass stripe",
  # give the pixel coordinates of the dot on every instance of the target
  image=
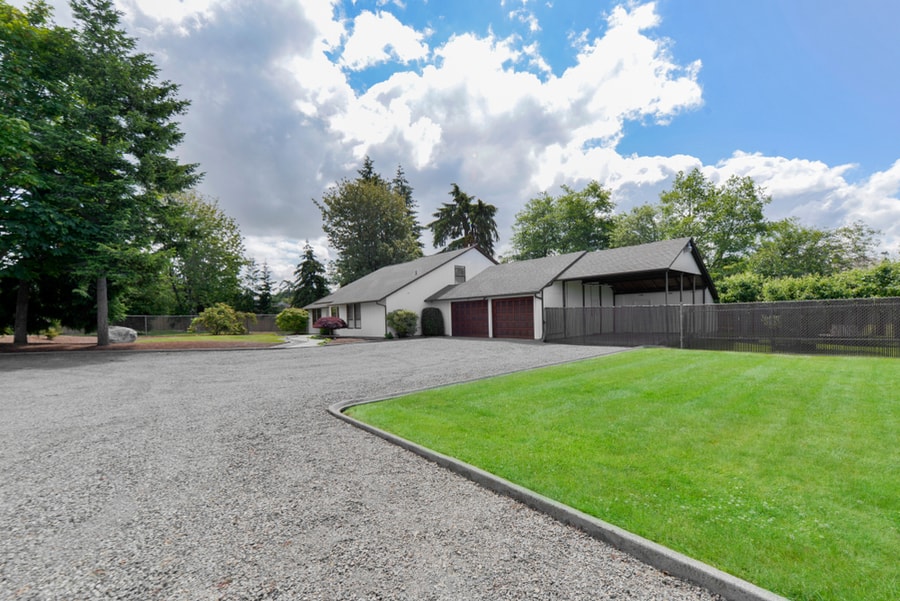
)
(782, 470)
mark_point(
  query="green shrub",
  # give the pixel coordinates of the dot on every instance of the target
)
(403, 322)
(432, 322)
(221, 319)
(292, 320)
(746, 287)
(53, 330)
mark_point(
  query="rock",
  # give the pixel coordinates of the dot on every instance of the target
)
(121, 334)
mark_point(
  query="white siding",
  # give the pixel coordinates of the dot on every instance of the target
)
(697, 297)
(412, 297)
(574, 295)
(371, 321)
(686, 263)
(608, 297)
(553, 295)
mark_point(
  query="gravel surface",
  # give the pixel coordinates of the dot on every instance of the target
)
(219, 475)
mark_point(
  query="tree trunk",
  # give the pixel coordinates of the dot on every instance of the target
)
(20, 335)
(102, 312)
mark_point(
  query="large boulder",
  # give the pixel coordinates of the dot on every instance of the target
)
(121, 334)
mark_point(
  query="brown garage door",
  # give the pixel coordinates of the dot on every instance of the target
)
(470, 318)
(513, 317)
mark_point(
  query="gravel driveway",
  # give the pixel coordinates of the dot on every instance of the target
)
(219, 475)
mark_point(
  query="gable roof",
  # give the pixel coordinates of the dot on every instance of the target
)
(387, 280)
(511, 279)
(640, 263)
(654, 256)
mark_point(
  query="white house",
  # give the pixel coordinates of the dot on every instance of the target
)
(508, 300)
(480, 298)
(365, 303)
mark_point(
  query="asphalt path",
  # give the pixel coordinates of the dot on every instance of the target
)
(220, 475)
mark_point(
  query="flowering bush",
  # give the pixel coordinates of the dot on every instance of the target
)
(328, 324)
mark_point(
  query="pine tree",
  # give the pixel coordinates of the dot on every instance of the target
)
(465, 223)
(310, 283)
(400, 186)
(121, 168)
(266, 285)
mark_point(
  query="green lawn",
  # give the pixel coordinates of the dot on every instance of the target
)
(782, 470)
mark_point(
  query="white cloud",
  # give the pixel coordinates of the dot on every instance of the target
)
(526, 17)
(173, 10)
(374, 34)
(476, 91)
(821, 195)
(274, 119)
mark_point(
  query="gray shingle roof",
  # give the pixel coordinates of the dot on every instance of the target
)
(511, 279)
(387, 280)
(654, 256)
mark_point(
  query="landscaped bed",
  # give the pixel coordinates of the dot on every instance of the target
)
(782, 470)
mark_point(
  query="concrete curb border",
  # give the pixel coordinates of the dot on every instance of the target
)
(653, 554)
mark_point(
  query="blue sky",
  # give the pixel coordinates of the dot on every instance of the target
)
(509, 98)
(796, 78)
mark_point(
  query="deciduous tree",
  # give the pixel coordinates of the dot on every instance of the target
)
(640, 225)
(201, 252)
(37, 231)
(368, 224)
(572, 221)
(726, 221)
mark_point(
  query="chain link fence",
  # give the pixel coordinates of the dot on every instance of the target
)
(834, 327)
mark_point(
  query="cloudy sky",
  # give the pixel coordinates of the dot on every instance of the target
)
(509, 98)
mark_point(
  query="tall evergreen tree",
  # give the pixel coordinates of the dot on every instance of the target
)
(119, 171)
(266, 286)
(463, 223)
(368, 174)
(400, 185)
(310, 283)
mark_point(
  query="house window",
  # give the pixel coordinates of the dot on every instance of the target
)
(459, 274)
(354, 316)
(316, 314)
(335, 311)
